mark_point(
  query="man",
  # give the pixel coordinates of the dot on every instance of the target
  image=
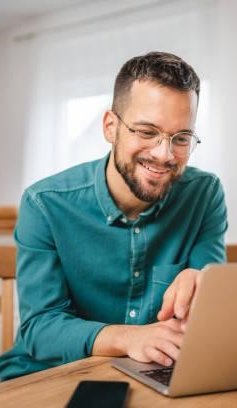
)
(101, 243)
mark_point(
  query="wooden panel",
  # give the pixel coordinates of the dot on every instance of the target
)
(231, 252)
(8, 217)
(7, 314)
(7, 226)
(7, 262)
(7, 274)
(8, 212)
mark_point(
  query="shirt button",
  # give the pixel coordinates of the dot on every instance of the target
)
(124, 219)
(132, 313)
(136, 274)
(109, 218)
(137, 230)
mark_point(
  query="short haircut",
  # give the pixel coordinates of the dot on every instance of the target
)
(162, 68)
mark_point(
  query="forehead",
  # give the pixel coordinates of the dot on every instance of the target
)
(163, 106)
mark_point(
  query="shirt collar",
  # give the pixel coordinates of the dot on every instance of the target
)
(106, 202)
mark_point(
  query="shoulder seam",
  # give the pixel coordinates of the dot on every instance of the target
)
(33, 193)
(212, 176)
(34, 198)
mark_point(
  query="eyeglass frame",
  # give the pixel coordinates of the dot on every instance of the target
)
(163, 136)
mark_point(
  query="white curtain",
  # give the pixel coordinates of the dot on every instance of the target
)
(82, 60)
(74, 63)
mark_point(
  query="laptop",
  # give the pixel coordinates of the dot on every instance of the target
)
(208, 358)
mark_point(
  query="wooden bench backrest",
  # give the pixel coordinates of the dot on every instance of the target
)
(8, 217)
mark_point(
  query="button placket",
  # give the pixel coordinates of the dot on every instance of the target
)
(136, 292)
(132, 313)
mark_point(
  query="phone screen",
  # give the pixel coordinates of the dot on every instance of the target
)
(99, 394)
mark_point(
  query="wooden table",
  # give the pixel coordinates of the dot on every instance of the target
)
(52, 388)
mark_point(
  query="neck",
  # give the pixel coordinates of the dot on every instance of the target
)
(121, 193)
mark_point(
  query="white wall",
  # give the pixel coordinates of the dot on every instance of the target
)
(203, 32)
(14, 106)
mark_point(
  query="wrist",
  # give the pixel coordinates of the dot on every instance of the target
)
(113, 340)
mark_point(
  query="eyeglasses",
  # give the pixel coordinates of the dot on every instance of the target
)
(181, 144)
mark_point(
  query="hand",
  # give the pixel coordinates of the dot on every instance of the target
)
(157, 342)
(178, 298)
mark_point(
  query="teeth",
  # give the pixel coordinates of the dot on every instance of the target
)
(154, 170)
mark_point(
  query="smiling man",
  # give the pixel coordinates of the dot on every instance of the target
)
(151, 152)
(110, 252)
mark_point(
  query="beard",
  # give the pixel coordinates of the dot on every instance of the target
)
(156, 189)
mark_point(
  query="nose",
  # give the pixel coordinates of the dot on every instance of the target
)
(161, 151)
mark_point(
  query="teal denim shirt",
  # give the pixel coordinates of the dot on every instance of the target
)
(83, 265)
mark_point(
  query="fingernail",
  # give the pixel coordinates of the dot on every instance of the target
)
(183, 326)
(160, 316)
(180, 312)
(168, 362)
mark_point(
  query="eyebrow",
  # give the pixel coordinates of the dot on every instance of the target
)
(145, 123)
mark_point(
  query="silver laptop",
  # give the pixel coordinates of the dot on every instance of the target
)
(208, 358)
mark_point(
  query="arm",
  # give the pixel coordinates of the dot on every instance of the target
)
(50, 329)
(159, 342)
(209, 247)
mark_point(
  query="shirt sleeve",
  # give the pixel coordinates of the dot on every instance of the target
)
(209, 246)
(50, 328)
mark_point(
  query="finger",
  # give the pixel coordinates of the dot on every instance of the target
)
(167, 308)
(197, 287)
(174, 324)
(183, 324)
(165, 348)
(157, 356)
(184, 295)
(169, 349)
(167, 333)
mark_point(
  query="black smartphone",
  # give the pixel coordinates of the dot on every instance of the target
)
(99, 394)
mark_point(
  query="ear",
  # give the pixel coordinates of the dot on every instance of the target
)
(110, 126)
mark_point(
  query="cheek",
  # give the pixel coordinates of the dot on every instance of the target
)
(181, 164)
(127, 147)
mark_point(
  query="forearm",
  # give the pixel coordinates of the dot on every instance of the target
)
(113, 340)
(158, 342)
(59, 337)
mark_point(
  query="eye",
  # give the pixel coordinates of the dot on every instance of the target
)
(147, 133)
(182, 139)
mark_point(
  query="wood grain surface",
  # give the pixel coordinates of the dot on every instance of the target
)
(52, 388)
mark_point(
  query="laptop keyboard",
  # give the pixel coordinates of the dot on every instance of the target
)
(161, 375)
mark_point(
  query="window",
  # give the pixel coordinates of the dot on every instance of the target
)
(83, 124)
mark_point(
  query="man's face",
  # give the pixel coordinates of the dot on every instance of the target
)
(147, 169)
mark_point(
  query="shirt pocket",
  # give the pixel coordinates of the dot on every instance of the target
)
(162, 277)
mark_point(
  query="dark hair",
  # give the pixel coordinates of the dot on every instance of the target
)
(161, 67)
